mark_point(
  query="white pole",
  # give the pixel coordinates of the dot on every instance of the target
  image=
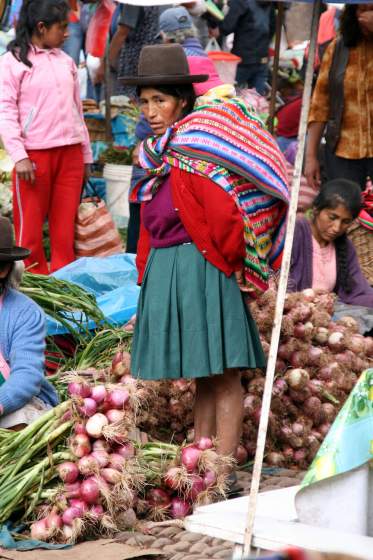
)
(266, 401)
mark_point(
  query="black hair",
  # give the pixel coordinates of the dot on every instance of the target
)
(33, 12)
(348, 194)
(6, 282)
(182, 91)
(349, 26)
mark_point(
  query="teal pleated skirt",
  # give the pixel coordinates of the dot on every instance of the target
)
(191, 319)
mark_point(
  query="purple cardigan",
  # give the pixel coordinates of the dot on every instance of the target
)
(300, 276)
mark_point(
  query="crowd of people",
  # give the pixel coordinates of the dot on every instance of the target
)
(209, 197)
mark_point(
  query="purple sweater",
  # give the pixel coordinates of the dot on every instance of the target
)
(300, 276)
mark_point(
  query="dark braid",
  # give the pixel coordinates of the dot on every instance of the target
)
(33, 12)
(344, 280)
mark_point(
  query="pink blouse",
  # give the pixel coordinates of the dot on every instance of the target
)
(324, 266)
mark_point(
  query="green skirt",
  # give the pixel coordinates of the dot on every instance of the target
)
(191, 319)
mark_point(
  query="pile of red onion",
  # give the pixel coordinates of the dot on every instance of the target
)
(318, 364)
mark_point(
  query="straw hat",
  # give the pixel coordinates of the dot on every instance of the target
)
(163, 65)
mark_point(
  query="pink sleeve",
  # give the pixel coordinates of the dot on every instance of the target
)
(87, 151)
(11, 74)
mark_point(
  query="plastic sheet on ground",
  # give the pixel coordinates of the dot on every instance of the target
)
(112, 280)
(349, 442)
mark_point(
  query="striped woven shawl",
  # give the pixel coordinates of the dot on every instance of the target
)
(226, 143)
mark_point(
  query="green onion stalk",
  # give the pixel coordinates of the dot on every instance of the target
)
(28, 459)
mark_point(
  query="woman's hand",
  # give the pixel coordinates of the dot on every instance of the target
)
(25, 170)
(312, 172)
(87, 171)
(240, 279)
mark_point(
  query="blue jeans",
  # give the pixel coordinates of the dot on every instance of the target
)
(253, 76)
(73, 46)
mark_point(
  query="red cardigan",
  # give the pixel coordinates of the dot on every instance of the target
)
(211, 218)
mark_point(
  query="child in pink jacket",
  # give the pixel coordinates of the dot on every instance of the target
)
(43, 130)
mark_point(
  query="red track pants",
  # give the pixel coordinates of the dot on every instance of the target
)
(54, 195)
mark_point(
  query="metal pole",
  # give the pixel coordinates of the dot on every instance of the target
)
(266, 402)
(276, 63)
(108, 130)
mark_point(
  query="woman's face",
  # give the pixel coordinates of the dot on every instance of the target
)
(160, 110)
(331, 223)
(53, 37)
(364, 14)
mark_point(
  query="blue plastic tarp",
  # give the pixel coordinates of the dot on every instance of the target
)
(112, 280)
(8, 541)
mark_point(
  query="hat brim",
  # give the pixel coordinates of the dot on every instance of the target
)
(163, 80)
(14, 254)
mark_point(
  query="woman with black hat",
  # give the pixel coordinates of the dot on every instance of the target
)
(198, 251)
(25, 394)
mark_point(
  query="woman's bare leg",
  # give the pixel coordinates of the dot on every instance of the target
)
(229, 411)
(205, 408)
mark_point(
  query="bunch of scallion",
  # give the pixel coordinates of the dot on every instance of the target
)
(65, 302)
(28, 460)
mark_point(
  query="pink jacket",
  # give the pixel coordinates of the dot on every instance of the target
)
(40, 107)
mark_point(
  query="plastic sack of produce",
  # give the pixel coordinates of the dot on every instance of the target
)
(112, 280)
(98, 28)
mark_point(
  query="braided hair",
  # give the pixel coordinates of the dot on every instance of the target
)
(32, 13)
(348, 194)
(349, 26)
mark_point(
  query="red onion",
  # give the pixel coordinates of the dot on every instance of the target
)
(297, 428)
(309, 294)
(80, 445)
(324, 428)
(314, 355)
(121, 364)
(288, 453)
(300, 455)
(181, 385)
(329, 411)
(118, 398)
(241, 455)
(190, 456)
(356, 343)
(369, 347)
(179, 508)
(321, 335)
(209, 479)
(350, 323)
(297, 359)
(128, 380)
(39, 530)
(111, 475)
(101, 445)
(102, 457)
(336, 341)
(281, 366)
(204, 443)
(297, 378)
(79, 428)
(325, 373)
(279, 387)
(116, 461)
(72, 490)
(89, 491)
(76, 389)
(88, 465)
(157, 497)
(53, 521)
(70, 514)
(127, 450)
(197, 487)
(284, 352)
(88, 408)
(96, 511)
(96, 424)
(99, 393)
(115, 416)
(312, 407)
(80, 505)
(68, 472)
(275, 459)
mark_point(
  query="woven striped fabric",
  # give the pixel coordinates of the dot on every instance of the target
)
(226, 143)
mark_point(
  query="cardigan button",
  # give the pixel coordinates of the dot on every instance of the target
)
(176, 209)
(204, 251)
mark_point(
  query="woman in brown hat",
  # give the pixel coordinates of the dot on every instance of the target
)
(192, 321)
(25, 394)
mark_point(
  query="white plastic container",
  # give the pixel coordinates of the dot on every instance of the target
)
(118, 180)
(225, 64)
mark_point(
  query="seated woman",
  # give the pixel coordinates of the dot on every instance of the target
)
(25, 394)
(323, 257)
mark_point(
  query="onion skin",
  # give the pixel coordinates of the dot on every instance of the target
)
(157, 497)
(179, 508)
(76, 389)
(70, 514)
(96, 424)
(39, 530)
(190, 457)
(89, 491)
(80, 445)
(99, 393)
(297, 379)
(68, 472)
(204, 443)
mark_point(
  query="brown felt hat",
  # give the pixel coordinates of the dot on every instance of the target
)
(8, 251)
(163, 65)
